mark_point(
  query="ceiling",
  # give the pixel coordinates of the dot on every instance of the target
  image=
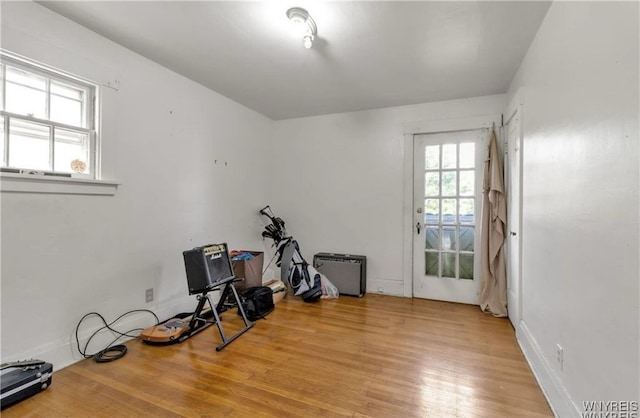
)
(367, 54)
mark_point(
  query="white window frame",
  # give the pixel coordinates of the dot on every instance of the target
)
(15, 179)
(90, 119)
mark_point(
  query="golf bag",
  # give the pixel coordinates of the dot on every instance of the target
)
(303, 279)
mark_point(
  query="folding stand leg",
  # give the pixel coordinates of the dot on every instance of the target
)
(216, 313)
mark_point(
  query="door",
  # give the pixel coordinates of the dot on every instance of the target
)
(447, 200)
(514, 158)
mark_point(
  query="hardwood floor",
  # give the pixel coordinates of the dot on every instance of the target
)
(379, 356)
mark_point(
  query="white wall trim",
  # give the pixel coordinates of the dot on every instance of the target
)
(65, 353)
(450, 125)
(27, 183)
(407, 217)
(426, 127)
(553, 389)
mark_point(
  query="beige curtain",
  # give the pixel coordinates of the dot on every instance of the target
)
(493, 297)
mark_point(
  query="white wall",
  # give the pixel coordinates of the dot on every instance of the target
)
(339, 181)
(67, 255)
(580, 203)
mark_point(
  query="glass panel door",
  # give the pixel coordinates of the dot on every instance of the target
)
(447, 196)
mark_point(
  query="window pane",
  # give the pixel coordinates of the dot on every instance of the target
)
(66, 111)
(466, 266)
(467, 207)
(431, 211)
(2, 141)
(26, 101)
(67, 91)
(432, 157)
(449, 156)
(26, 78)
(467, 155)
(431, 263)
(448, 211)
(467, 183)
(449, 238)
(431, 184)
(71, 152)
(448, 265)
(448, 183)
(431, 237)
(466, 238)
(28, 145)
(1, 86)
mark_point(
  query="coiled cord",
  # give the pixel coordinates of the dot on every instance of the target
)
(111, 352)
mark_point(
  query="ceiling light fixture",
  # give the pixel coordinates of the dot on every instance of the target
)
(304, 25)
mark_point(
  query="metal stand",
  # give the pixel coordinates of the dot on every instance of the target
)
(204, 299)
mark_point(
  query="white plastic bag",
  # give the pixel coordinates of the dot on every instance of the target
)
(329, 291)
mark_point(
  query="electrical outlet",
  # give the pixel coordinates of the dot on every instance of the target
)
(559, 355)
(148, 295)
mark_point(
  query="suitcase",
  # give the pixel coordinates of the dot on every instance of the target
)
(347, 272)
(22, 379)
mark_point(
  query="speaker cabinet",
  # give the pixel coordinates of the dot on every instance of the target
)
(347, 272)
(206, 267)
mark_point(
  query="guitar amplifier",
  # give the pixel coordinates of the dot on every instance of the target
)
(347, 272)
(207, 267)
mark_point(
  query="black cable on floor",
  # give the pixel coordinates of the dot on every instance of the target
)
(110, 352)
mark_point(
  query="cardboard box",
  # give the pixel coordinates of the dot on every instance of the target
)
(250, 270)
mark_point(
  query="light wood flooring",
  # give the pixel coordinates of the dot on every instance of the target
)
(378, 356)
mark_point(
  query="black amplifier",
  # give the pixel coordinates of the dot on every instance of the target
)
(346, 271)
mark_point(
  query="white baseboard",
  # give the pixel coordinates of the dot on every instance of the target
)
(63, 353)
(552, 387)
(386, 287)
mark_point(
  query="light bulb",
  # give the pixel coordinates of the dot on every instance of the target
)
(307, 41)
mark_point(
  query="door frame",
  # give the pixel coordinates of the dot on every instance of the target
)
(427, 127)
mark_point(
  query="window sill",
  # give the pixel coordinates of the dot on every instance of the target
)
(28, 183)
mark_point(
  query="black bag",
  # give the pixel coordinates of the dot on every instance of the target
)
(257, 302)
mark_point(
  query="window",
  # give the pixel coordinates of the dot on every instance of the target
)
(449, 214)
(47, 120)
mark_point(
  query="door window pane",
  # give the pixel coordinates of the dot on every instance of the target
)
(28, 145)
(467, 155)
(467, 183)
(432, 184)
(431, 237)
(431, 211)
(448, 183)
(467, 214)
(431, 263)
(448, 265)
(71, 151)
(432, 157)
(448, 211)
(466, 266)
(449, 240)
(449, 156)
(467, 236)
